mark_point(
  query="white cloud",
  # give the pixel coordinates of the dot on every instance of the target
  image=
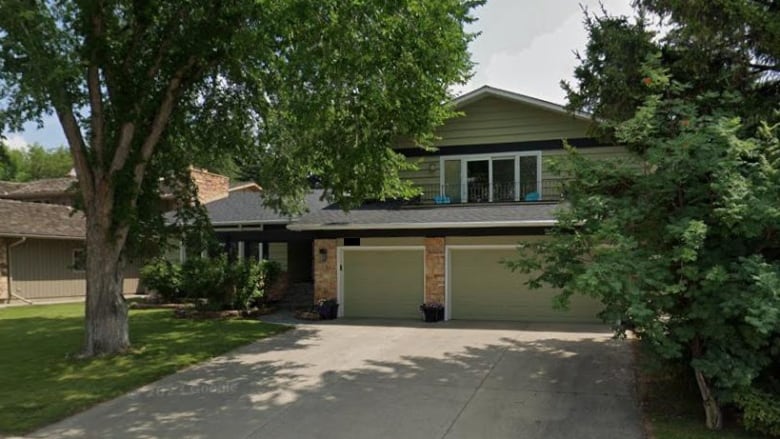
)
(529, 47)
(17, 142)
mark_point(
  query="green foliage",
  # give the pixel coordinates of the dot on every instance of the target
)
(211, 279)
(34, 163)
(214, 283)
(287, 89)
(760, 411)
(679, 240)
(7, 166)
(164, 277)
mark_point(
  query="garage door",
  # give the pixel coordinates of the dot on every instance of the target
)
(482, 288)
(382, 283)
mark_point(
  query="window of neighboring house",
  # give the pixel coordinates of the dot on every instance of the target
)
(253, 250)
(481, 179)
(79, 262)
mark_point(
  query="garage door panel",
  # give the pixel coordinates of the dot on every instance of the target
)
(383, 283)
(482, 288)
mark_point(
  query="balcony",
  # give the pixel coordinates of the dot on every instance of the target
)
(547, 190)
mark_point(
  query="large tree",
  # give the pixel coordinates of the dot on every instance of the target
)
(144, 88)
(679, 238)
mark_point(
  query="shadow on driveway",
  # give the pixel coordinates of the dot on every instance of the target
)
(369, 379)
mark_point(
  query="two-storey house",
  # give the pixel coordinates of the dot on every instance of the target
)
(485, 189)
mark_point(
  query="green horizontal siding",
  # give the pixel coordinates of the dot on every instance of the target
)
(493, 120)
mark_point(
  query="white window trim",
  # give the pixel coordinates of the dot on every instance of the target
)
(465, 158)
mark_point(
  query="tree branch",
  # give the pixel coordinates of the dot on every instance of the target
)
(161, 119)
(122, 152)
(764, 67)
(96, 117)
(77, 149)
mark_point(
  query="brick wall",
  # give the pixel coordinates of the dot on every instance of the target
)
(4, 269)
(210, 186)
(325, 272)
(434, 270)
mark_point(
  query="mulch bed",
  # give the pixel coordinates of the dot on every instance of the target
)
(196, 314)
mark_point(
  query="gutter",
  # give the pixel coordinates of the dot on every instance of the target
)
(21, 241)
(37, 236)
(402, 226)
(250, 222)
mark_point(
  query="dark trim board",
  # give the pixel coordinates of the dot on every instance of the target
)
(533, 145)
(431, 233)
(266, 235)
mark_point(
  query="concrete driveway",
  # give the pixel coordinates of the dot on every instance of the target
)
(354, 379)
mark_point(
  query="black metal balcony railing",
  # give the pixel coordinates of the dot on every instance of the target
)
(551, 189)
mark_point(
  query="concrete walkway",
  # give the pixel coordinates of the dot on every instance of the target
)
(353, 379)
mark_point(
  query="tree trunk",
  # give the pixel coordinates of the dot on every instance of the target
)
(714, 419)
(106, 310)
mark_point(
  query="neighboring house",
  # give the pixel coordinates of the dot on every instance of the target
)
(51, 191)
(42, 253)
(248, 229)
(42, 237)
(487, 188)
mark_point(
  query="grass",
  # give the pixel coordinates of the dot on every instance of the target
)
(673, 409)
(42, 380)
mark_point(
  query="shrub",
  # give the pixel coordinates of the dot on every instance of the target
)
(208, 278)
(163, 277)
(272, 271)
(227, 285)
(248, 279)
(760, 410)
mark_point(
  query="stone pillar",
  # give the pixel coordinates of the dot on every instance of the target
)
(325, 271)
(5, 294)
(434, 270)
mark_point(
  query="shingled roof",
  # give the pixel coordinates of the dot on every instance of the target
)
(243, 207)
(38, 220)
(48, 186)
(397, 215)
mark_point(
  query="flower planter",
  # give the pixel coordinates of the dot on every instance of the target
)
(328, 310)
(432, 313)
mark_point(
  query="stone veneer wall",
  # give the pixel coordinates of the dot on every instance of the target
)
(325, 273)
(434, 270)
(4, 271)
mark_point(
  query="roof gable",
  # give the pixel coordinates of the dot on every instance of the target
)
(489, 116)
(487, 91)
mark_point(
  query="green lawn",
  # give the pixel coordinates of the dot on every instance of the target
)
(673, 407)
(42, 381)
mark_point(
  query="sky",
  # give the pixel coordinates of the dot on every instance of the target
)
(525, 46)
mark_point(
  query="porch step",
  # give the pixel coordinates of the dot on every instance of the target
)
(300, 295)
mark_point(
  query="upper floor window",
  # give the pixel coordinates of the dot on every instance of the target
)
(496, 178)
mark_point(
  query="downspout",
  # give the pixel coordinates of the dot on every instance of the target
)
(21, 241)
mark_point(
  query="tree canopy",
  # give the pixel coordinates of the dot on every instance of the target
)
(292, 88)
(679, 238)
